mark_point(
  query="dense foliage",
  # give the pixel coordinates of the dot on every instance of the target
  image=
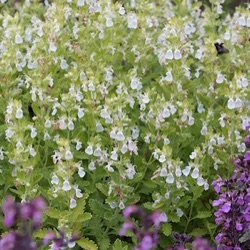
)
(110, 103)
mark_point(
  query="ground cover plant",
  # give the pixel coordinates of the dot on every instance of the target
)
(110, 103)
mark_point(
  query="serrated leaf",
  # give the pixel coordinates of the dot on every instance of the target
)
(104, 243)
(79, 208)
(202, 215)
(118, 245)
(87, 244)
(167, 229)
(82, 217)
(174, 217)
(53, 213)
(198, 232)
(103, 188)
(41, 233)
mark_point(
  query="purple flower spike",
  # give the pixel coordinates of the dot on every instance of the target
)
(157, 218)
(233, 212)
(10, 210)
(133, 209)
(247, 141)
(146, 234)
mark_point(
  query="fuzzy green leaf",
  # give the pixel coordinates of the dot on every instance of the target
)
(87, 244)
(167, 229)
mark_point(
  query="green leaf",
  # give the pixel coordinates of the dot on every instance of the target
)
(87, 244)
(167, 229)
(174, 217)
(81, 217)
(104, 243)
(118, 245)
(203, 214)
(53, 213)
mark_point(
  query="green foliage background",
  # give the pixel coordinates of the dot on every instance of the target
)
(103, 61)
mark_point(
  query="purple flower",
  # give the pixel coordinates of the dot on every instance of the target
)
(132, 209)
(58, 242)
(146, 234)
(10, 210)
(226, 207)
(233, 212)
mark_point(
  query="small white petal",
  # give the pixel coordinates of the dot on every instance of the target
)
(89, 150)
(170, 178)
(72, 203)
(230, 103)
(19, 113)
(68, 155)
(177, 54)
(169, 55)
(66, 186)
(195, 173)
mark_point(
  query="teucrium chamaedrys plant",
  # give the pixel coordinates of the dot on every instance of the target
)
(105, 104)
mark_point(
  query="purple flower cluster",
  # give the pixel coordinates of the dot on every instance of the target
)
(180, 241)
(146, 234)
(60, 241)
(28, 217)
(233, 212)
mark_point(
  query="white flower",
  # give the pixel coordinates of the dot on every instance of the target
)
(55, 180)
(169, 55)
(238, 103)
(198, 54)
(177, 54)
(66, 186)
(68, 155)
(120, 136)
(248, 21)
(64, 64)
(72, 203)
(19, 113)
(169, 76)
(78, 145)
(109, 22)
(121, 205)
(178, 172)
(170, 178)
(193, 155)
(231, 103)
(242, 21)
(163, 172)
(204, 129)
(179, 212)
(81, 172)
(186, 170)
(220, 78)
(227, 36)
(89, 150)
(195, 173)
(33, 133)
(114, 155)
(18, 39)
(80, 3)
(121, 10)
(78, 193)
(52, 47)
(132, 21)
(99, 127)
(200, 181)
(71, 125)
(162, 158)
(91, 166)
